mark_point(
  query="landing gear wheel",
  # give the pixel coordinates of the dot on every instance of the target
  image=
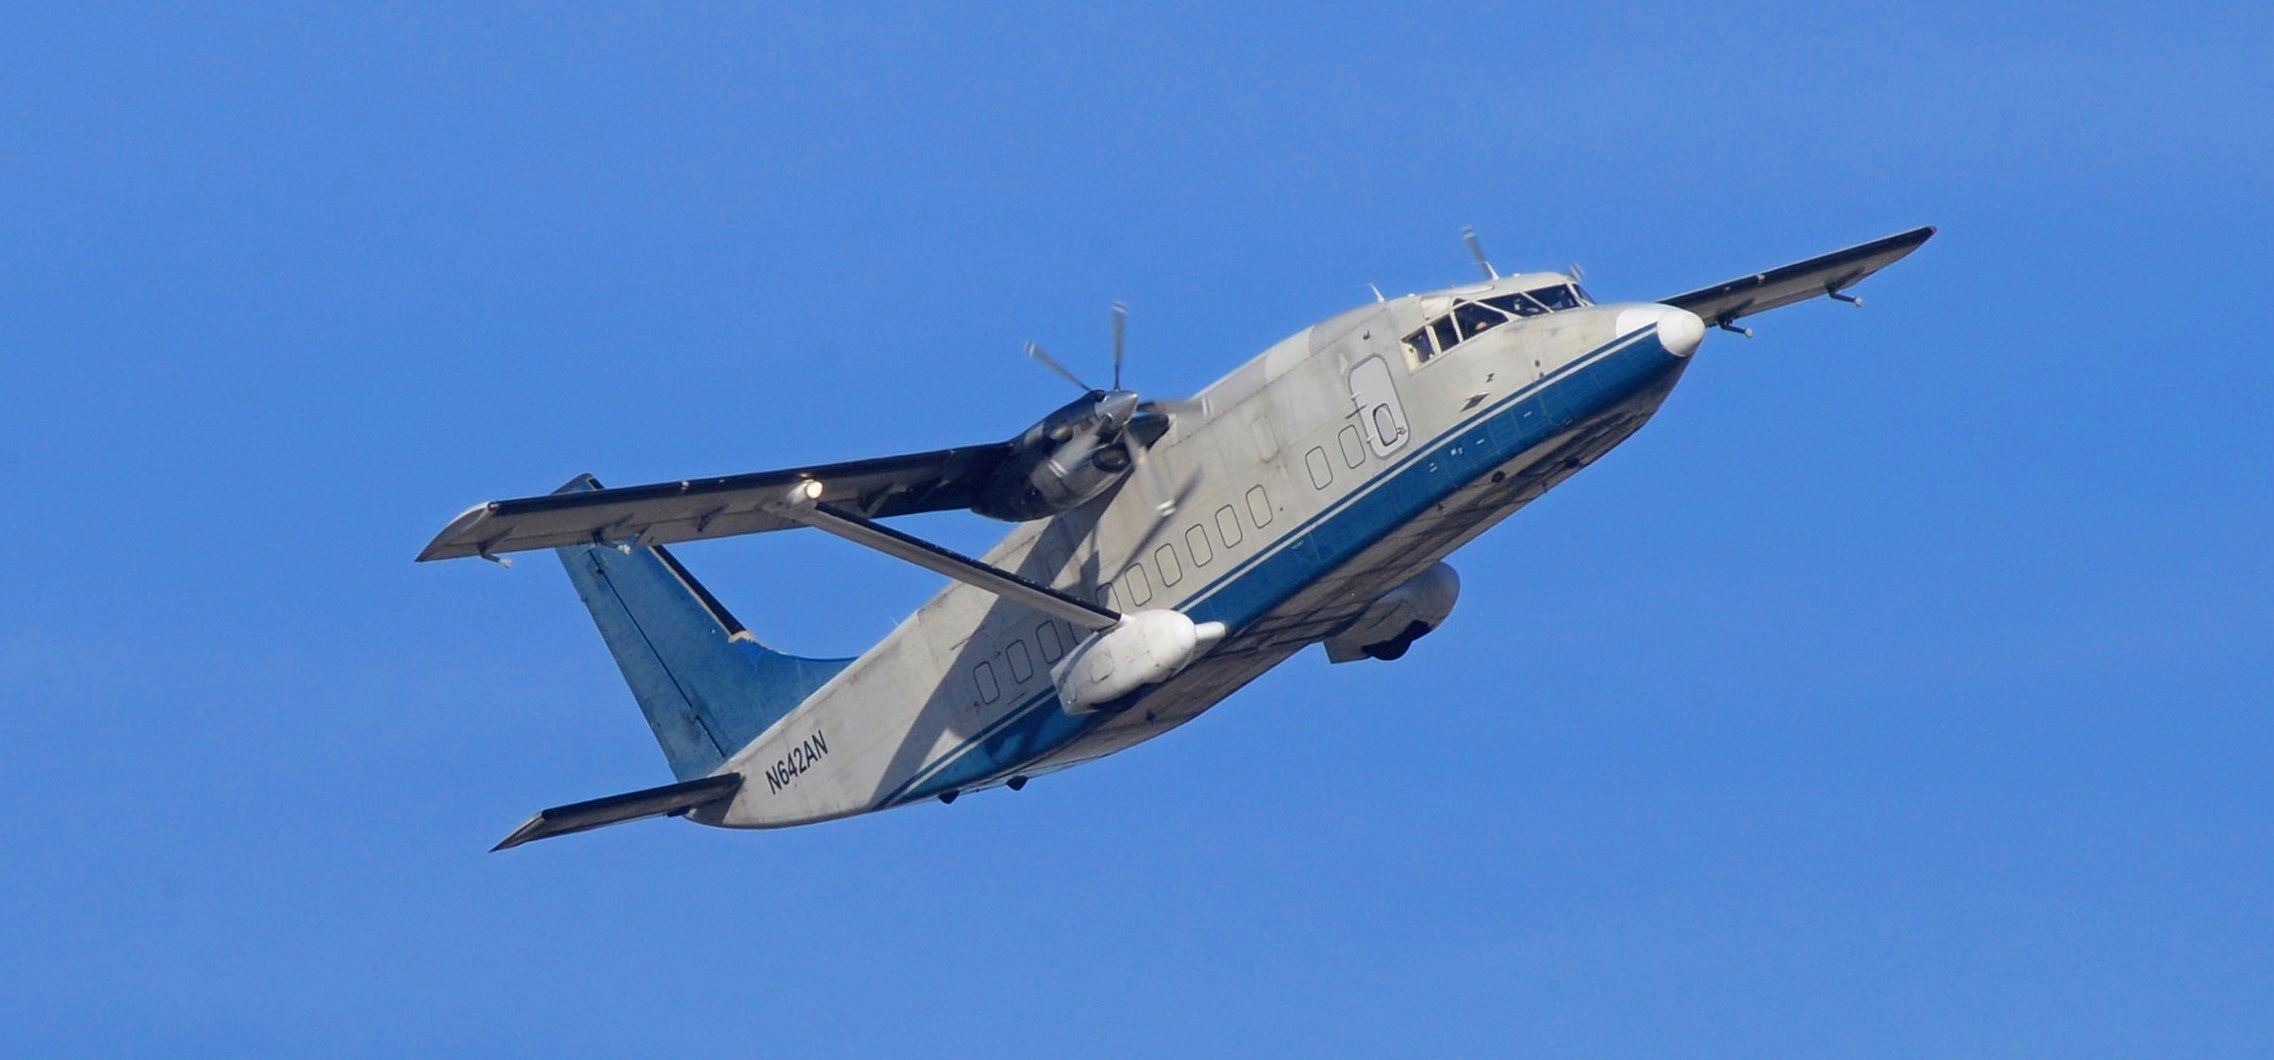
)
(1395, 647)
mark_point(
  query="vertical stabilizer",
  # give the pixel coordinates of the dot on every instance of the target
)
(706, 685)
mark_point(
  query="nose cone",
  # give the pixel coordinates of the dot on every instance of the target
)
(1117, 406)
(1679, 330)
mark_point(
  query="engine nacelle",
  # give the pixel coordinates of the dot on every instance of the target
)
(1403, 615)
(1146, 648)
(1072, 456)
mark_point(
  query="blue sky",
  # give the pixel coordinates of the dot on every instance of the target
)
(1902, 689)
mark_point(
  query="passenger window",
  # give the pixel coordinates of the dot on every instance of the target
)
(984, 675)
(1172, 571)
(1228, 525)
(1516, 305)
(1386, 424)
(1196, 539)
(1322, 472)
(1259, 507)
(1475, 319)
(1447, 338)
(1138, 587)
(1022, 663)
(1353, 448)
(1046, 635)
(1418, 348)
(1556, 297)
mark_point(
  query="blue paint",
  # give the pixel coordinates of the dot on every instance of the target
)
(706, 686)
(1589, 386)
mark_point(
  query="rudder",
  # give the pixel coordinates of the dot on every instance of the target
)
(705, 684)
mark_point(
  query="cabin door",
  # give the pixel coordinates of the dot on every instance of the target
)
(1381, 417)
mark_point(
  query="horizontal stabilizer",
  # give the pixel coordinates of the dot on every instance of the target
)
(1825, 274)
(671, 799)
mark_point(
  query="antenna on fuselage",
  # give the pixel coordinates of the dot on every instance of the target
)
(1476, 250)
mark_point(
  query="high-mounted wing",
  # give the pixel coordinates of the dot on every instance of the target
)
(1828, 274)
(580, 513)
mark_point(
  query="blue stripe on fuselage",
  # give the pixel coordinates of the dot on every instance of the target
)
(1371, 511)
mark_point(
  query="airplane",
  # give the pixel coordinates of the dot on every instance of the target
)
(1311, 496)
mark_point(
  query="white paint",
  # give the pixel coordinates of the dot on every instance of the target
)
(1146, 648)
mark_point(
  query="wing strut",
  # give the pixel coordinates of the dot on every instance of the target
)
(804, 507)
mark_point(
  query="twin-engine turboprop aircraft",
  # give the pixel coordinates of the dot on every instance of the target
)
(1309, 497)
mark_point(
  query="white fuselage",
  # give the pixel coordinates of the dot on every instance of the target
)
(1316, 478)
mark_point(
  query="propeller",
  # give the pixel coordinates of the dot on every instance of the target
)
(1043, 357)
(1120, 339)
(1476, 250)
(1116, 408)
(1143, 546)
(1148, 479)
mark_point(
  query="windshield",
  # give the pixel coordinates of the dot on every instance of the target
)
(1561, 296)
(1517, 304)
(1474, 318)
(1467, 320)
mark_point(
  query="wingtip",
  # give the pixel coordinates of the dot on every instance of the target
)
(521, 835)
(442, 546)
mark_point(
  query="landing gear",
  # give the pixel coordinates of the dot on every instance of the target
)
(1395, 647)
(1390, 625)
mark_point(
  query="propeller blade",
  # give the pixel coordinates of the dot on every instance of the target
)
(1175, 407)
(1047, 361)
(1164, 503)
(1476, 250)
(1120, 337)
(1161, 522)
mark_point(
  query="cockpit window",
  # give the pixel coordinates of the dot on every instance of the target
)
(1560, 296)
(1418, 348)
(1516, 305)
(1584, 297)
(1475, 319)
(1447, 338)
(1470, 319)
(1467, 321)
